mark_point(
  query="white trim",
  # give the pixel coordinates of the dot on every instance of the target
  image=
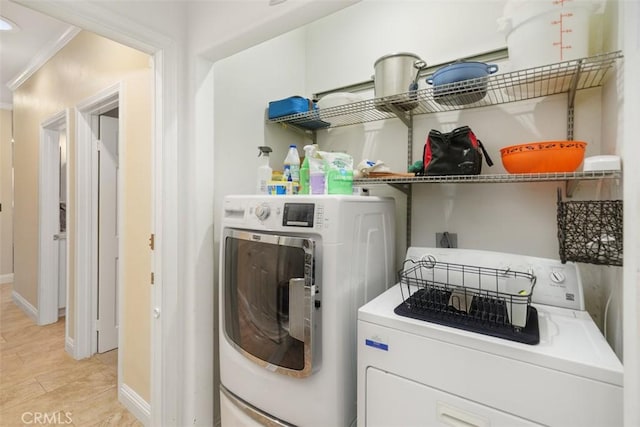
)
(139, 407)
(100, 20)
(120, 191)
(167, 324)
(42, 57)
(68, 344)
(6, 278)
(25, 305)
(629, 14)
(86, 233)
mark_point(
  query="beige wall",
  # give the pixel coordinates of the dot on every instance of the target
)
(6, 197)
(84, 67)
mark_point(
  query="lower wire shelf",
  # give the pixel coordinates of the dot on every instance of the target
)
(492, 178)
(570, 178)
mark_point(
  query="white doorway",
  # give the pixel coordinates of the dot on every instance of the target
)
(98, 186)
(53, 187)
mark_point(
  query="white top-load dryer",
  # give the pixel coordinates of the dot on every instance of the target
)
(414, 372)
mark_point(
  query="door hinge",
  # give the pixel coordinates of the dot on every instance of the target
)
(96, 325)
(98, 145)
(152, 241)
(152, 278)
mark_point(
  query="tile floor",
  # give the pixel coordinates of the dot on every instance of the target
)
(40, 384)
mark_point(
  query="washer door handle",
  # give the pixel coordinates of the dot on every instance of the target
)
(298, 294)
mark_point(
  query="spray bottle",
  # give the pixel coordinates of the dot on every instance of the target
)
(264, 170)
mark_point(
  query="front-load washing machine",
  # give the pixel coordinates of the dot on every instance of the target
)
(293, 272)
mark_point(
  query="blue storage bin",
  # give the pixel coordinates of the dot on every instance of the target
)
(295, 105)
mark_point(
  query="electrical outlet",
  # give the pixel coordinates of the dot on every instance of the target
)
(446, 240)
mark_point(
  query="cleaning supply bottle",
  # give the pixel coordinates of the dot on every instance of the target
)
(264, 170)
(292, 165)
(309, 151)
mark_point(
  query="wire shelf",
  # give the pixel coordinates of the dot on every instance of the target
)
(493, 178)
(563, 77)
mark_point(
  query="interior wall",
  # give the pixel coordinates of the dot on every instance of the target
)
(6, 197)
(136, 197)
(613, 143)
(630, 41)
(84, 67)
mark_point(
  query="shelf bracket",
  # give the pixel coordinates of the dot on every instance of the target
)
(402, 115)
(302, 132)
(571, 98)
(570, 187)
(405, 188)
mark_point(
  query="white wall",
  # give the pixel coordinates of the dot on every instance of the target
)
(343, 48)
(630, 16)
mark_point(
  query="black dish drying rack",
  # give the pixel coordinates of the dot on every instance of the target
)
(495, 302)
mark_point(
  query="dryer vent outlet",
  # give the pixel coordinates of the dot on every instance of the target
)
(446, 240)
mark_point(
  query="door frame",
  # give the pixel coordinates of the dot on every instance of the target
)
(167, 379)
(48, 207)
(86, 224)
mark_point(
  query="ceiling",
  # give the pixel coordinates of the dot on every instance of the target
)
(21, 50)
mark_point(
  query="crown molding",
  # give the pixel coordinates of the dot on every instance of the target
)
(42, 57)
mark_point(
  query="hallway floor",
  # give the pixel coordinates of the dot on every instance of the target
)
(41, 384)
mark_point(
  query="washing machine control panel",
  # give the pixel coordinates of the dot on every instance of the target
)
(298, 215)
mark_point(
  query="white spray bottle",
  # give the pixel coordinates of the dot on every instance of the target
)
(264, 170)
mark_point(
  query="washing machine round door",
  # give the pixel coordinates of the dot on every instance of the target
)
(270, 300)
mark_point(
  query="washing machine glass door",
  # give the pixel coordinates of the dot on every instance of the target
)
(269, 294)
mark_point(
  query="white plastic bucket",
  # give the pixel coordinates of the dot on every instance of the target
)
(542, 32)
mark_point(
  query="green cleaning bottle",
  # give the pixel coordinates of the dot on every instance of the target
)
(309, 151)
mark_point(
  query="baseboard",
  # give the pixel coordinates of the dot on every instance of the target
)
(6, 278)
(25, 306)
(135, 404)
(68, 346)
(62, 312)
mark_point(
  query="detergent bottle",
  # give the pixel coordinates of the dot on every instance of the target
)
(264, 170)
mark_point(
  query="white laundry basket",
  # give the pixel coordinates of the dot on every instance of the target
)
(541, 32)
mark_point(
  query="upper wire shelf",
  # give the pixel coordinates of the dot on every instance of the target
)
(562, 77)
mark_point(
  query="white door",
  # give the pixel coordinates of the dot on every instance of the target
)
(52, 244)
(62, 223)
(107, 322)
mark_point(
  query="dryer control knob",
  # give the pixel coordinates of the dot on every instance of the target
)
(557, 277)
(262, 212)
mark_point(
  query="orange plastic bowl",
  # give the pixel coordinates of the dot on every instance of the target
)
(543, 156)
